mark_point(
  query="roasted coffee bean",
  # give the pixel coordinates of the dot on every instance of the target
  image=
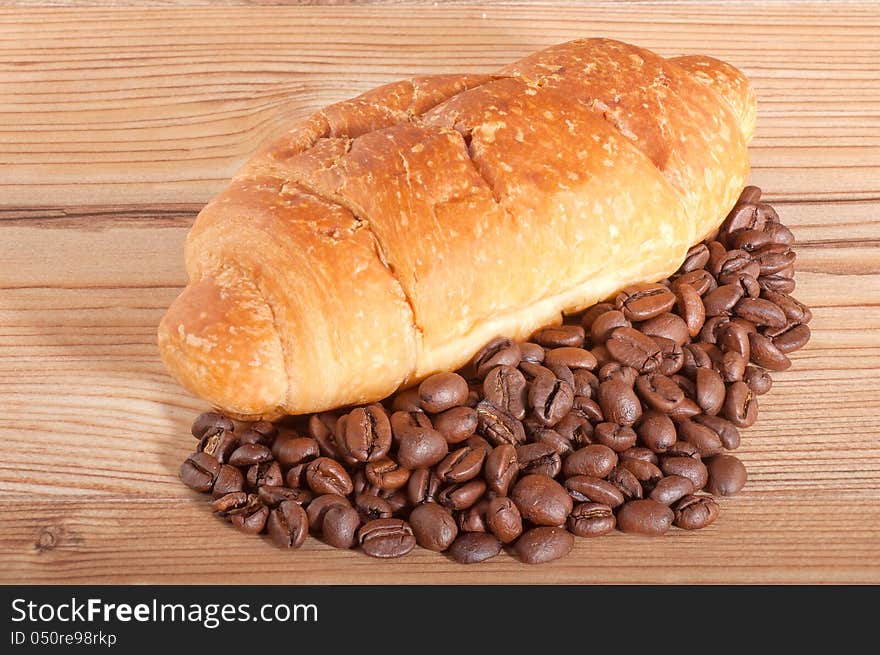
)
(631, 347)
(566, 428)
(777, 282)
(538, 458)
(317, 509)
(289, 449)
(322, 429)
(296, 476)
(265, 473)
(543, 544)
(498, 352)
(619, 403)
(640, 302)
(637, 452)
(461, 465)
(199, 471)
(617, 437)
(541, 500)
(745, 216)
(758, 380)
(734, 337)
(386, 538)
(601, 354)
(219, 444)
(696, 355)
(671, 489)
(371, 507)
(792, 339)
(588, 408)
(397, 499)
(689, 305)
(229, 479)
(407, 401)
(774, 258)
(619, 373)
(686, 385)
(684, 410)
(562, 372)
(647, 517)
(682, 449)
(254, 436)
(421, 448)
(531, 352)
(433, 526)
(726, 431)
(591, 520)
(605, 324)
(211, 423)
(456, 424)
(727, 475)
(385, 473)
(249, 454)
(749, 240)
(697, 257)
(659, 392)
(671, 356)
(740, 405)
(710, 390)
(478, 443)
(404, 423)
(501, 469)
(251, 519)
(592, 313)
(557, 336)
(422, 486)
(230, 503)
(711, 329)
(272, 496)
(443, 391)
(366, 436)
(584, 488)
(506, 388)
(695, 512)
(595, 460)
(668, 326)
(732, 366)
(340, 526)
(462, 496)
(288, 525)
(722, 300)
(656, 431)
(572, 358)
(503, 519)
(646, 473)
(549, 437)
(626, 482)
(733, 265)
(498, 426)
(327, 476)
(474, 547)
(686, 467)
(701, 280)
(586, 384)
(760, 312)
(550, 398)
(795, 312)
(778, 233)
(473, 519)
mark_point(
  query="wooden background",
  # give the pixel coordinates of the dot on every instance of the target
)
(116, 125)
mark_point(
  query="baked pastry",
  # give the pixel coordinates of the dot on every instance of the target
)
(391, 236)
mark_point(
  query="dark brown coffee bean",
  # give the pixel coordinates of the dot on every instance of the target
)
(199, 471)
(686, 385)
(777, 282)
(340, 526)
(501, 469)
(631, 347)
(421, 448)
(637, 452)
(701, 280)
(732, 366)
(211, 423)
(640, 302)
(253, 436)
(671, 356)
(686, 409)
(774, 257)
(503, 519)
(386, 474)
(745, 216)
(659, 392)
(683, 448)
(778, 233)
(727, 475)
(595, 460)
(573, 358)
(584, 488)
(592, 313)
(617, 437)
(697, 257)
(647, 517)
(541, 500)
(722, 300)
(272, 496)
(591, 520)
(549, 437)
(539, 458)
(289, 449)
(462, 496)
(656, 431)
(433, 526)
(366, 436)
(686, 467)
(710, 390)
(229, 480)
(543, 544)
(550, 398)
(740, 405)
(322, 428)
(474, 547)
(792, 339)
(422, 486)
(230, 503)
(506, 388)
(386, 538)
(733, 265)
(456, 424)
(461, 465)
(498, 426)
(605, 324)
(531, 352)
(443, 391)
(618, 372)
(706, 441)
(671, 489)
(249, 454)
(288, 525)
(668, 326)
(404, 423)
(601, 354)
(627, 482)
(795, 312)
(749, 240)
(695, 512)
(371, 507)
(317, 509)
(498, 352)
(726, 431)
(619, 403)
(689, 305)
(327, 476)
(586, 384)
(760, 312)
(556, 336)
(219, 444)
(266, 473)
(758, 379)
(252, 518)
(473, 519)
(733, 336)
(646, 473)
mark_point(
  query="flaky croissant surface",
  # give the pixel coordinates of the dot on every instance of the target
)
(390, 236)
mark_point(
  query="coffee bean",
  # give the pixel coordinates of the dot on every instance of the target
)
(340, 526)
(586, 384)
(689, 305)
(726, 431)
(462, 496)
(617, 372)
(461, 465)
(646, 473)
(697, 257)
(647, 517)
(255, 436)
(659, 392)
(556, 336)
(778, 233)
(734, 336)
(219, 444)
(367, 433)
(760, 312)
(656, 431)
(473, 519)
(706, 441)
(443, 391)
(626, 482)
(498, 426)
(371, 507)
(211, 423)
(601, 354)
(605, 324)
(583, 488)
(619, 403)
(422, 486)
(710, 390)
(474, 547)
(774, 258)
(317, 509)
(795, 312)
(421, 448)
(588, 408)
(506, 388)
(668, 326)
(595, 460)
(727, 475)
(538, 458)
(672, 488)
(433, 526)
(321, 428)
(288, 525)
(777, 282)
(405, 423)
(722, 300)
(758, 380)
(290, 449)
(229, 480)
(550, 398)
(456, 424)
(794, 338)
(199, 471)
(638, 452)
(549, 437)
(385, 473)
(591, 520)
(230, 503)
(701, 280)
(503, 519)
(272, 496)
(592, 313)
(749, 240)
(531, 352)
(683, 448)
(265, 473)
(327, 476)
(543, 544)
(501, 469)
(695, 512)
(252, 518)
(686, 467)
(740, 405)
(640, 302)
(541, 500)
(732, 366)
(631, 347)
(249, 454)
(617, 437)
(498, 352)
(386, 538)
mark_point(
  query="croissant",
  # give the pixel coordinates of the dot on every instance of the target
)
(391, 236)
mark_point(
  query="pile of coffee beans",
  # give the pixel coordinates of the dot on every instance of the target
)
(621, 417)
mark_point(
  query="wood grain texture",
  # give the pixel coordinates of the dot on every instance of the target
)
(116, 125)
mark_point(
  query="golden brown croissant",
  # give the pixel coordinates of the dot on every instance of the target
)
(390, 236)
